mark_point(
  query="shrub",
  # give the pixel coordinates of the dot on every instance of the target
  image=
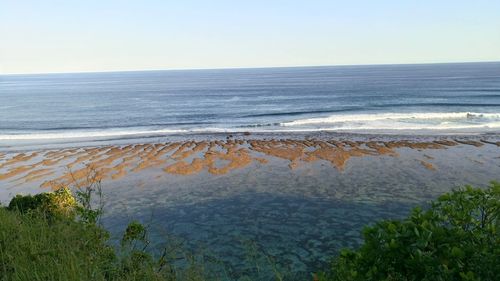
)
(57, 204)
(457, 238)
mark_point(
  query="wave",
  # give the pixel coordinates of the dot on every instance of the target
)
(434, 121)
(392, 116)
(453, 90)
(106, 127)
(88, 134)
(415, 127)
(108, 135)
(443, 121)
(291, 113)
(372, 107)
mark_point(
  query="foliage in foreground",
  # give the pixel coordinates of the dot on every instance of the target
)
(55, 236)
(457, 238)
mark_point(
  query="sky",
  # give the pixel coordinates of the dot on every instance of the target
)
(113, 35)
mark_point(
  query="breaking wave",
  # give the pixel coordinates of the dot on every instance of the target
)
(402, 121)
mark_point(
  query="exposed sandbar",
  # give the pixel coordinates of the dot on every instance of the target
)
(63, 166)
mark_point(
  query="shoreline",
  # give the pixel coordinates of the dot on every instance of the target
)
(23, 145)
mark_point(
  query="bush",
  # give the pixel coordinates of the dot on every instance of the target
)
(57, 204)
(457, 238)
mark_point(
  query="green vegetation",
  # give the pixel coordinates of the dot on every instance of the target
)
(58, 204)
(57, 236)
(457, 238)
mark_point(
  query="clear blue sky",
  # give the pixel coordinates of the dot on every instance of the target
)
(102, 35)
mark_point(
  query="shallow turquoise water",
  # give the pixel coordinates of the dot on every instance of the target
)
(298, 218)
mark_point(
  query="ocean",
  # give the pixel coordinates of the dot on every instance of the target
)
(392, 99)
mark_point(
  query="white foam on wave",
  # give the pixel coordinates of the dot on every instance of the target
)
(438, 127)
(418, 121)
(112, 133)
(437, 122)
(86, 134)
(401, 117)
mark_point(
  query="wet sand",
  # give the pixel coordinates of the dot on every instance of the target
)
(57, 167)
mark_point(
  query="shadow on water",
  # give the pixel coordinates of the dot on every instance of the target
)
(255, 234)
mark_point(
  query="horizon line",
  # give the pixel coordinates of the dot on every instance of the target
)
(245, 67)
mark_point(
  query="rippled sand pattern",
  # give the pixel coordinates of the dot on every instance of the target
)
(54, 168)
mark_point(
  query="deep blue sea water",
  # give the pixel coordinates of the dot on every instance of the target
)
(432, 98)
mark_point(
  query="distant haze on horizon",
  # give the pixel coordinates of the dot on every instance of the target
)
(82, 36)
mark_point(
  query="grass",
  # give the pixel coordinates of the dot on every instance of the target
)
(35, 248)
